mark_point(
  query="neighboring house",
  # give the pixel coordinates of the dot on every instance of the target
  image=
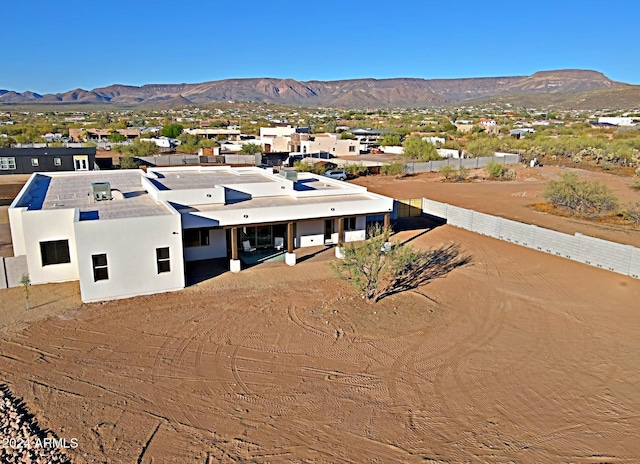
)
(463, 125)
(488, 123)
(127, 233)
(435, 140)
(521, 132)
(281, 139)
(230, 134)
(330, 143)
(617, 120)
(30, 160)
(101, 134)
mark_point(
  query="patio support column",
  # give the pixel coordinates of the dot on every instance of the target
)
(340, 245)
(234, 264)
(290, 256)
(387, 220)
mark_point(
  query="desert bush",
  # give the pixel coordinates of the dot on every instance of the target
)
(355, 169)
(635, 185)
(301, 166)
(580, 197)
(461, 174)
(447, 171)
(377, 271)
(496, 170)
(396, 169)
(127, 162)
(632, 212)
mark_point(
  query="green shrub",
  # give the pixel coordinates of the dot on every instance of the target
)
(355, 169)
(396, 169)
(461, 174)
(580, 197)
(447, 171)
(632, 212)
(496, 170)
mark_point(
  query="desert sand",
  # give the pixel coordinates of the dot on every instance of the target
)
(519, 356)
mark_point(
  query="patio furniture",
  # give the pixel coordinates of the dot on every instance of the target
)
(278, 243)
(247, 248)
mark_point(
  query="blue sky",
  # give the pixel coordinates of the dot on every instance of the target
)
(55, 46)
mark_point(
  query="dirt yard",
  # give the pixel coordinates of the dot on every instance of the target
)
(518, 357)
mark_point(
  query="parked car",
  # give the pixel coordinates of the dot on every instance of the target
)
(336, 174)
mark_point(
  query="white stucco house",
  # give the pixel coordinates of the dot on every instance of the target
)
(127, 233)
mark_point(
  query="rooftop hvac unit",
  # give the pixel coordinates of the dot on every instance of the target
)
(289, 175)
(101, 191)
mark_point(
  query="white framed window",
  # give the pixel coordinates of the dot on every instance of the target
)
(100, 268)
(350, 223)
(352, 148)
(7, 163)
(57, 161)
(35, 162)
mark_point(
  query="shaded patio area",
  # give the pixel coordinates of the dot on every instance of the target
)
(264, 255)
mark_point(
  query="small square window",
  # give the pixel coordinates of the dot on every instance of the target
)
(34, 162)
(350, 223)
(55, 252)
(57, 161)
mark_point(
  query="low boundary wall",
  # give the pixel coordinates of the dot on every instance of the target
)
(623, 259)
(11, 271)
(469, 163)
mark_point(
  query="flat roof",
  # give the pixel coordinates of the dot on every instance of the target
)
(197, 179)
(69, 190)
(73, 190)
(270, 202)
(185, 179)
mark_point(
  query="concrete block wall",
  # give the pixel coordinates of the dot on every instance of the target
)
(469, 163)
(486, 224)
(604, 254)
(460, 217)
(634, 263)
(3, 274)
(11, 271)
(623, 259)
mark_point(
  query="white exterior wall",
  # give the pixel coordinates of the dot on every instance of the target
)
(44, 226)
(272, 214)
(330, 144)
(217, 247)
(617, 120)
(276, 131)
(130, 245)
(309, 233)
(393, 150)
(17, 231)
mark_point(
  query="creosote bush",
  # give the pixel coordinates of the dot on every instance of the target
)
(498, 170)
(395, 169)
(632, 213)
(580, 196)
(378, 271)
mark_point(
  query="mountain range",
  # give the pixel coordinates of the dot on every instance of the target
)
(577, 87)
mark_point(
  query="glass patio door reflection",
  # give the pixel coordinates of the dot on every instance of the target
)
(259, 237)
